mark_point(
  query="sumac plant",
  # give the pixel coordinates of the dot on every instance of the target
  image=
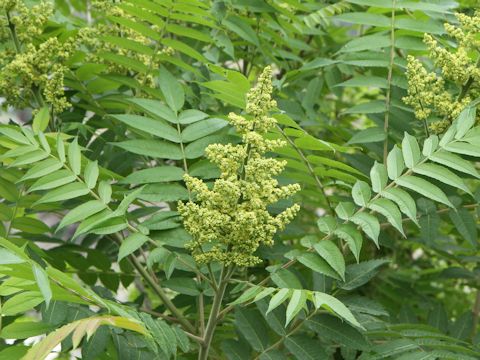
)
(238, 179)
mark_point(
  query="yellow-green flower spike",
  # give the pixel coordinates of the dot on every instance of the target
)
(230, 221)
(428, 92)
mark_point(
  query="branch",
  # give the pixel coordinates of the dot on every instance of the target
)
(214, 313)
(389, 82)
(310, 169)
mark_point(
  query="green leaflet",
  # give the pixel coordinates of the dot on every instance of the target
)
(92, 221)
(463, 148)
(74, 156)
(41, 119)
(332, 255)
(155, 175)
(30, 158)
(22, 302)
(388, 209)
(334, 329)
(251, 326)
(65, 192)
(202, 128)
(345, 210)
(404, 201)
(378, 176)
(365, 19)
(297, 303)
(369, 225)
(191, 116)
(155, 108)
(152, 148)
(410, 150)
(361, 193)
(465, 224)
(43, 283)
(304, 348)
(336, 306)
(424, 188)
(395, 163)
(91, 174)
(13, 134)
(241, 28)
(278, 298)
(352, 237)
(43, 168)
(465, 121)
(172, 90)
(454, 162)
(24, 330)
(81, 212)
(373, 134)
(430, 145)
(131, 244)
(155, 127)
(317, 264)
(327, 224)
(105, 191)
(357, 275)
(442, 174)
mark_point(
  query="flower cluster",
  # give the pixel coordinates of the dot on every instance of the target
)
(229, 221)
(26, 67)
(429, 93)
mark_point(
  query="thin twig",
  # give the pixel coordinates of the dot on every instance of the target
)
(310, 169)
(389, 84)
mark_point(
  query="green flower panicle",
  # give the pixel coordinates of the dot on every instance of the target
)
(30, 66)
(429, 93)
(230, 220)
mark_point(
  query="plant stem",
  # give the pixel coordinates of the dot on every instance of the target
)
(157, 289)
(214, 313)
(389, 82)
(476, 313)
(297, 327)
(310, 169)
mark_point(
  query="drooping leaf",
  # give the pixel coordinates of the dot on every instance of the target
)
(404, 201)
(335, 306)
(296, 304)
(369, 225)
(352, 237)
(334, 329)
(388, 209)
(357, 275)
(252, 327)
(43, 283)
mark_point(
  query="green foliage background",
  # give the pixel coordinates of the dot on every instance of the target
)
(108, 104)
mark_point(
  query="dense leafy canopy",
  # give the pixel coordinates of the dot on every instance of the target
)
(239, 179)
